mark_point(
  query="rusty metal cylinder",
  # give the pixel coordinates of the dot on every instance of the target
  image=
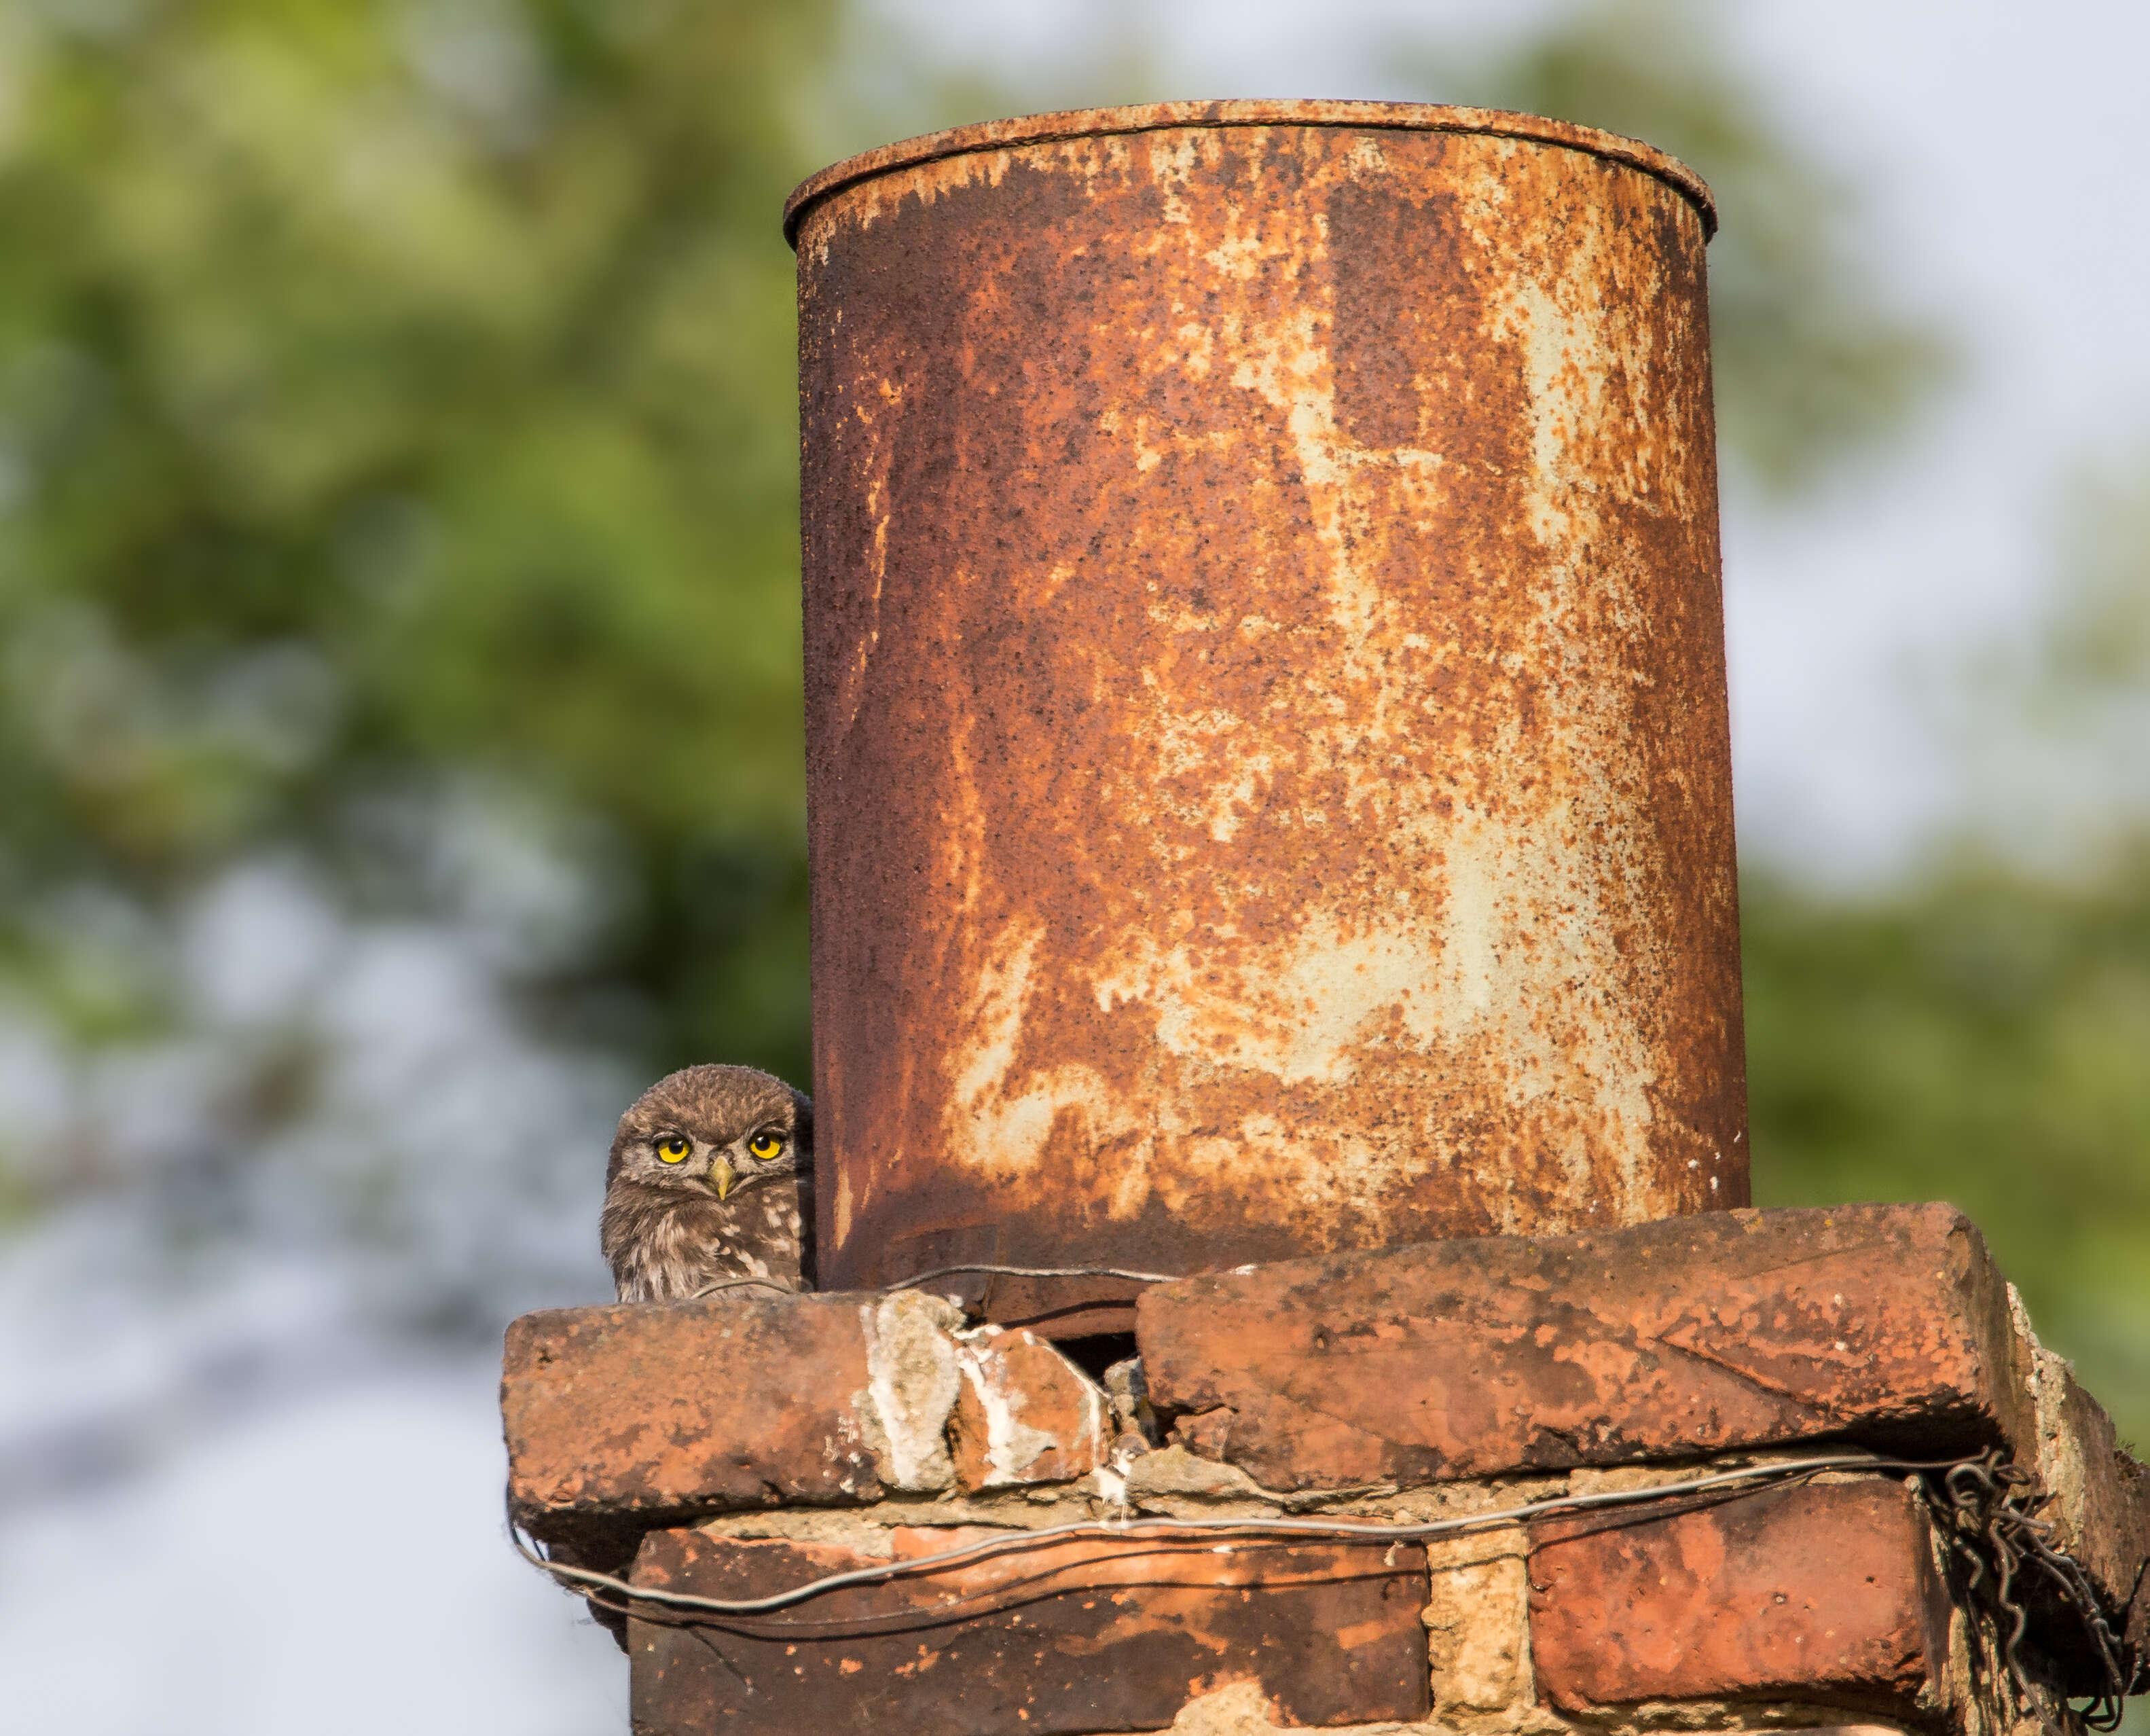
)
(1268, 768)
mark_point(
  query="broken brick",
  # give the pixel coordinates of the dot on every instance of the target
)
(651, 1413)
(2098, 1505)
(1025, 1414)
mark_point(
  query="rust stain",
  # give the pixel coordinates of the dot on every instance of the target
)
(1268, 763)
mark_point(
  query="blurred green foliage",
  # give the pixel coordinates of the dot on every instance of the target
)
(2084, 682)
(397, 425)
(1981, 1034)
(1982, 1037)
(397, 405)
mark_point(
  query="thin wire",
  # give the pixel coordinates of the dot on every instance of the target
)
(912, 1282)
(733, 1284)
(918, 1278)
(1016, 1541)
(1011, 1593)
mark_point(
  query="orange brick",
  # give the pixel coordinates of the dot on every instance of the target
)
(1888, 1324)
(1820, 1592)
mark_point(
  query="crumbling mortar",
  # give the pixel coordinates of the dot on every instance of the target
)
(1426, 1503)
(1173, 1482)
(852, 1527)
(1591, 1479)
(1011, 1510)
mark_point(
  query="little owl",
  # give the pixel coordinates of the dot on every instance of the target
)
(711, 1177)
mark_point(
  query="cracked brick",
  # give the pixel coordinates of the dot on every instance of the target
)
(1883, 1324)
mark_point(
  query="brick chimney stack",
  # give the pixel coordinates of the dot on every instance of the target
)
(1271, 825)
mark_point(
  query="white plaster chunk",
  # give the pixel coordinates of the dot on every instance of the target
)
(912, 1384)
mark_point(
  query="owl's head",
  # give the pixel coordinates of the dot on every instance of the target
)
(714, 1130)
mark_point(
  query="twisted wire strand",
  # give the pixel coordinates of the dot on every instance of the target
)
(1015, 1542)
(1988, 1512)
(1010, 1593)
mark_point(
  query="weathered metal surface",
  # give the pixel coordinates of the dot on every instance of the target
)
(1882, 1324)
(1080, 1635)
(1308, 111)
(1267, 751)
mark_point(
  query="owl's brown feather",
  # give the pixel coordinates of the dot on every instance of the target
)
(666, 1234)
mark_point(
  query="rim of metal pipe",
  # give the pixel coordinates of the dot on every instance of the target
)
(993, 135)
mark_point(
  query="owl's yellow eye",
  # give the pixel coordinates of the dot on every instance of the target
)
(674, 1147)
(765, 1146)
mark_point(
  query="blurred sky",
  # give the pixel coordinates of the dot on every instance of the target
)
(1998, 152)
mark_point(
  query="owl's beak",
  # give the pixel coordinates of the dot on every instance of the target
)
(722, 1177)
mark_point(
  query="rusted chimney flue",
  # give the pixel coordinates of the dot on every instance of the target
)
(1268, 793)
(1267, 749)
